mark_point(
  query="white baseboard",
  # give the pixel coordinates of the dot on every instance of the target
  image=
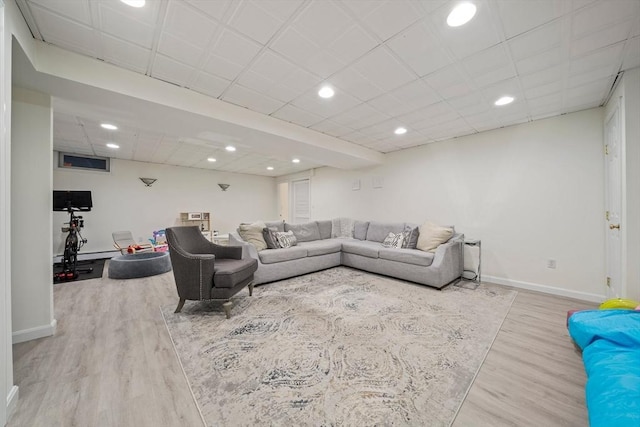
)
(90, 255)
(35, 333)
(12, 401)
(585, 296)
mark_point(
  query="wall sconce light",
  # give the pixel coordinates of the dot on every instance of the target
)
(224, 186)
(148, 181)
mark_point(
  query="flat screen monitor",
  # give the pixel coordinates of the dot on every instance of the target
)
(72, 200)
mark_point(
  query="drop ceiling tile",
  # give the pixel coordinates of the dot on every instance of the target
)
(605, 37)
(544, 104)
(428, 116)
(252, 100)
(448, 82)
(539, 40)
(222, 67)
(272, 66)
(361, 7)
(391, 17)
(608, 56)
(351, 45)
(468, 105)
(209, 84)
(332, 128)
(508, 87)
(322, 22)
(545, 76)
(544, 89)
(415, 95)
(236, 48)
(125, 26)
(215, 9)
(352, 81)
(478, 34)
(184, 52)
(360, 116)
(189, 24)
(603, 14)
(294, 46)
(521, 16)
(251, 20)
(383, 70)
(591, 93)
(296, 115)
(78, 10)
(125, 54)
(420, 48)
(489, 66)
(167, 69)
(541, 61)
(579, 79)
(324, 64)
(65, 32)
(326, 107)
(147, 15)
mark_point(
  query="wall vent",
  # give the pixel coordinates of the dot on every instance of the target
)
(77, 161)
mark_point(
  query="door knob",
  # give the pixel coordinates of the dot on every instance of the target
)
(614, 226)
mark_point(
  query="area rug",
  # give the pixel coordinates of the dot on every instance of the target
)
(340, 347)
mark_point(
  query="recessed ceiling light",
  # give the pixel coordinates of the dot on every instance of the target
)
(112, 145)
(400, 131)
(326, 92)
(134, 3)
(269, 168)
(109, 126)
(211, 159)
(504, 101)
(461, 14)
(230, 148)
(296, 160)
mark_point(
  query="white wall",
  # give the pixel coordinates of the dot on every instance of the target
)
(531, 192)
(122, 202)
(31, 269)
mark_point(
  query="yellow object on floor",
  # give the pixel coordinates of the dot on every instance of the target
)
(619, 303)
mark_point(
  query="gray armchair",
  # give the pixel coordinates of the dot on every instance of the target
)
(206, 271)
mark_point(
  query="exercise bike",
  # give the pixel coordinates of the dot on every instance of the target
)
(72, 245)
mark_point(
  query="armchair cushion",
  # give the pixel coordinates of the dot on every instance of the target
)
(230, 272)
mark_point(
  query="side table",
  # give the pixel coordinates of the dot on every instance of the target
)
(473, 272)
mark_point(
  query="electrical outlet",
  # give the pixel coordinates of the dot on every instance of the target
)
(551, 263)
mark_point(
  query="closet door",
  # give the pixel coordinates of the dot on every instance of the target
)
(300, 203)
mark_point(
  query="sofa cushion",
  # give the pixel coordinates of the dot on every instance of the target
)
(306, 232)
(322, 247)
(228, 273)
(252, 233)
(407, 256)
(360, 230)
(377, 231)
(271, 256)
(324, 227)
(411, 232)
(275, 224)
(364, 248)
(433, 235)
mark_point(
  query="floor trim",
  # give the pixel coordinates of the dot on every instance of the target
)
(584, 296)
(34, 333)
(12, 401)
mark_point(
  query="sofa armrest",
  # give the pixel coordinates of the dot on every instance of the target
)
(448, 257)
(248, 250)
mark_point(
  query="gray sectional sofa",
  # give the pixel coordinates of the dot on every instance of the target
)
(317, 250)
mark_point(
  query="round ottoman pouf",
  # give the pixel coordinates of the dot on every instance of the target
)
(146, 264)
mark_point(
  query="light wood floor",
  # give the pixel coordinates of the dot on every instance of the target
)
(111, 363)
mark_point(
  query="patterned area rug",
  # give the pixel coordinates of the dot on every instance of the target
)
(339, 347)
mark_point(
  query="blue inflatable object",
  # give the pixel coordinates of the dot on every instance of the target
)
(610, 343)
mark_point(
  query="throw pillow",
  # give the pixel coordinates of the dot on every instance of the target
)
(432, 235)
(252, 233)
(410, 237)
(393, 240)
(286, 239)
(342, 228)
(269, 234)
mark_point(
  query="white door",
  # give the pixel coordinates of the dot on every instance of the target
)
(615, 287)
(300, 205)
